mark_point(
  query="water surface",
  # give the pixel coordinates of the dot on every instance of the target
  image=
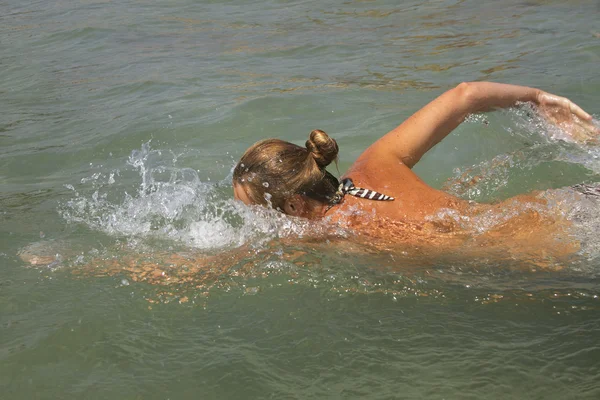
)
(120, 123)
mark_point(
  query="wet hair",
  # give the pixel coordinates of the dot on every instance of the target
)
(272, 170)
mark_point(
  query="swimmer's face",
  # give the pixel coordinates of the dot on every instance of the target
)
(239, 193)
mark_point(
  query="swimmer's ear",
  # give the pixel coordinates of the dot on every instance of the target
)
(295, 206)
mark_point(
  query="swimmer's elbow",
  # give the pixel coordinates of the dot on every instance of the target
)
(472, 97)
(463, 87)
(467, 94)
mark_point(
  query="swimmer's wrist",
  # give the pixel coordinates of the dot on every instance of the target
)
(537, 96)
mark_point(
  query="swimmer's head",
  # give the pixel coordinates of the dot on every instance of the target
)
(287, 177)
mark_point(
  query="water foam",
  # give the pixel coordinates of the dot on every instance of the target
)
(168, 202)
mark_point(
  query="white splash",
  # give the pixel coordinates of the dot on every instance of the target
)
(172, 203)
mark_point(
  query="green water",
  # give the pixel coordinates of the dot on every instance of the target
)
(120, 123)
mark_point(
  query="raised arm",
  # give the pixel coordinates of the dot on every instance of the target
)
(414, 137)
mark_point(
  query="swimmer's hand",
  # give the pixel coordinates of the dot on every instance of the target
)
(569, 117)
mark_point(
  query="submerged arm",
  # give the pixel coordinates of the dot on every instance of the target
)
(418, 134)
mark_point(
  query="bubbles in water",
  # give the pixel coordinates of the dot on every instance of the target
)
(268, 197)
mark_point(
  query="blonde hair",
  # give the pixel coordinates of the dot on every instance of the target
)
(272, 170)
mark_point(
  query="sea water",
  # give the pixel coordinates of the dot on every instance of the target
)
(127, 270)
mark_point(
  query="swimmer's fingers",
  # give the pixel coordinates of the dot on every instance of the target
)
(569, 117)
(551, 100)
(578, 111)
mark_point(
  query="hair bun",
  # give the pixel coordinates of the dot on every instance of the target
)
(322, 148)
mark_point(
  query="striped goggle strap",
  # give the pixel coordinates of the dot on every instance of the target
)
(347, 187)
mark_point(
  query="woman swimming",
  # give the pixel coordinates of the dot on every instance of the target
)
(382, 200)
(380, 196)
